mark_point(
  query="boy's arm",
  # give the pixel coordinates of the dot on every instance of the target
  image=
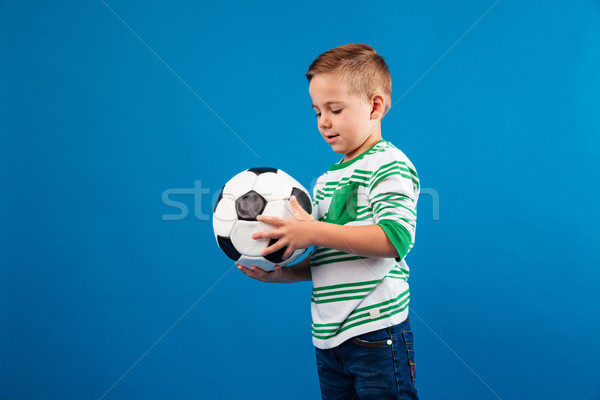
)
(366, 240)
(393, 195)
(303, 231)
(294, 273)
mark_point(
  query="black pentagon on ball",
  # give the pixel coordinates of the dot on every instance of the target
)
(303, 200)
(262, 170)
(249, 206)
(219, 199)
(276, 256)
(227, 246)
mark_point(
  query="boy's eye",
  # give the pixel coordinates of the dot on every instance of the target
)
(333, 111)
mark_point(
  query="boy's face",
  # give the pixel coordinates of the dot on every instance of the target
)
(346, 122)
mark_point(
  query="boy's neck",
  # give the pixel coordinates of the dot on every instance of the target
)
(367, 144)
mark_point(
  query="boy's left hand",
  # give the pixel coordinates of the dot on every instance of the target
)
(295, 233)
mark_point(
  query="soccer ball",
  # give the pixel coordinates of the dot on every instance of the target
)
(248, 194)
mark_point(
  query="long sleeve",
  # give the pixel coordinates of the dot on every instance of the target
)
(393, 194)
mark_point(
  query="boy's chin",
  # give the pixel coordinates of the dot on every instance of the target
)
(337, 148)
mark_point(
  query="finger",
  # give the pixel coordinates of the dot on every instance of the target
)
(256, 273)
(240, 266)
(273, 233)
(267, 276)
(270, 220)
(246, 271)
(276, 273)
(288, 252)
(274, 247)
(259, 272)
(297, 208)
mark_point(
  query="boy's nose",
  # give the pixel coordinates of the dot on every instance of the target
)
(324, 123)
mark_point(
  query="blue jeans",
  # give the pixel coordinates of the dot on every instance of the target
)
(376, 365)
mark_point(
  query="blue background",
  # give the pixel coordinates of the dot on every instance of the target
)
(95, 127)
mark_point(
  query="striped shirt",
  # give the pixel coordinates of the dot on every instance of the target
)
(353, 294)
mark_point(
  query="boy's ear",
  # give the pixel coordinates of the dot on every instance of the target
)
(377, 106)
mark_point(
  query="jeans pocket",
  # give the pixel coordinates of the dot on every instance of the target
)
(380, 338)
(410, 353)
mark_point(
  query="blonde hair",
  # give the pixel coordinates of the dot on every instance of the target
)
(359, 67)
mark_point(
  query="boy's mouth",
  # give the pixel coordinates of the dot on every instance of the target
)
(331, 138)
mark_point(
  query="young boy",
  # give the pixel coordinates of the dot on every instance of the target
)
(365, 208)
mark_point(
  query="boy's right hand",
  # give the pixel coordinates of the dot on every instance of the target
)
(278, 275)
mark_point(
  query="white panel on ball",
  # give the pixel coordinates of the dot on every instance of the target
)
(287, 178)
(279, 209)
(241, 237)
(239, 185)
(272, 187)
(225, 217)
(248, 261)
